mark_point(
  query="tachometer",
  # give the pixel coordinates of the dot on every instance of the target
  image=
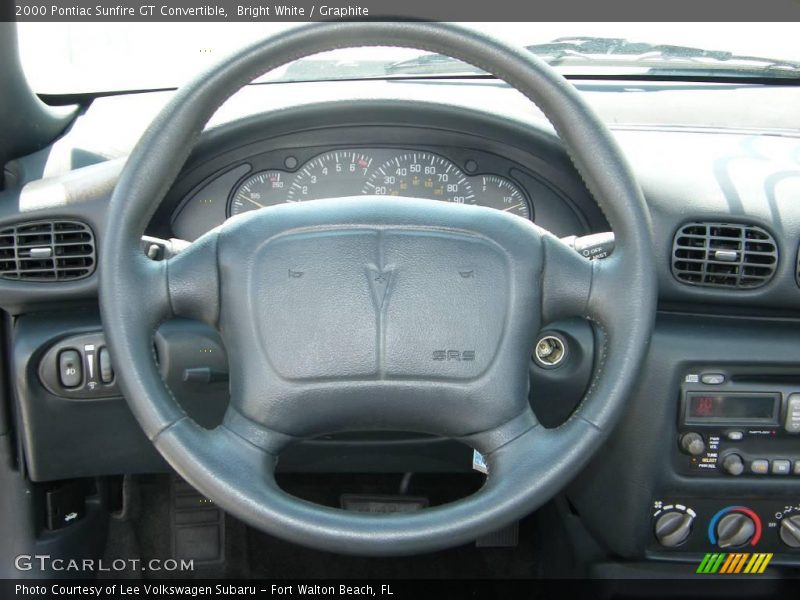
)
(259, 190)
(332, 175)
(420, 175)
(503, 194)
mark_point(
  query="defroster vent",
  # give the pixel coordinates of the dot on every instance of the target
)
(728, 255)
(47, 251)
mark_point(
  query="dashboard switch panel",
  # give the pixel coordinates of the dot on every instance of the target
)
(79, 368)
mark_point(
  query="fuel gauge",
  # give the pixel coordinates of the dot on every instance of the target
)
(503, 194)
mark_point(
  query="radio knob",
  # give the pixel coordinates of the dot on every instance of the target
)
(734, 530)
(733, 464)
(693, 443)
(672, 528)
(790, 531)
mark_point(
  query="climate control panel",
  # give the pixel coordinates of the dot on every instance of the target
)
(702, 525)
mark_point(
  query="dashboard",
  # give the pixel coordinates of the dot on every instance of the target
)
(436, 141)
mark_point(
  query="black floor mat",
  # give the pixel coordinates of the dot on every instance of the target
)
(251, 553)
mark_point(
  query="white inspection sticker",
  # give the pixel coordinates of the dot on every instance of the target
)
(479, 463)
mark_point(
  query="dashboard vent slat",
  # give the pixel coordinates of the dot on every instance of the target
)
(47, 251)
(724, 255)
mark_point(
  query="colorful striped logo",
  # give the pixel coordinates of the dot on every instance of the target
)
(734, 563)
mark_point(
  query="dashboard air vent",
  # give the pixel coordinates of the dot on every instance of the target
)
(728, 255)
(47, 251)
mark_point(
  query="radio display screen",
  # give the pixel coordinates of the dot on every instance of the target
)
(757, 408)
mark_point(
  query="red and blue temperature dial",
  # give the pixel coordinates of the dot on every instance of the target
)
(734, 526)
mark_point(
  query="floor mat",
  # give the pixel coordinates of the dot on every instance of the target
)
(146, 531)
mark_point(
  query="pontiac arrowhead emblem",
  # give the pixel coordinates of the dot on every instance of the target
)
(379, 280)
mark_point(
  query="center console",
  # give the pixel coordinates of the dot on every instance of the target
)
(707, 457)
(733, 422)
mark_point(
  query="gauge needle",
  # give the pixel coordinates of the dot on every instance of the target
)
(512, 207)
(254, 202)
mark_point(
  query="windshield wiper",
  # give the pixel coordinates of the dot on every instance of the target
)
(617, 52)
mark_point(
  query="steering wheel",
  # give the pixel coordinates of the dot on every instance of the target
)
(373, 313)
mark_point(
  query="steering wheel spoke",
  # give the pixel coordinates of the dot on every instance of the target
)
(193, 281)
(257, 434)
(566, 281)
(489, 441)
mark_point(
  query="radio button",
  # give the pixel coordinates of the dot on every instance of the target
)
(781, 467)
(792, 423)
(760, 466)
(735, 436)
(712, 378)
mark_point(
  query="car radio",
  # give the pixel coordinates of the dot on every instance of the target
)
(738, 426)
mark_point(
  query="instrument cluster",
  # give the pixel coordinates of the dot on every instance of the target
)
(378, 172)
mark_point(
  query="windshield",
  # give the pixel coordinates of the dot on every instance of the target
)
(77, 58)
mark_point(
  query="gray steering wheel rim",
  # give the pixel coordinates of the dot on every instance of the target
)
(212, 465)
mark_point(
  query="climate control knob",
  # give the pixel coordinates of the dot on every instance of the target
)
(735, 529)
(790, 531)
(673, 527)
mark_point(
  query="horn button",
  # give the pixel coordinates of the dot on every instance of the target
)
(383, 304)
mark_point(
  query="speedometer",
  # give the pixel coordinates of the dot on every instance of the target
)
(420, 175)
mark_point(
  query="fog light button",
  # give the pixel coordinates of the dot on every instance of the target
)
(70, 371)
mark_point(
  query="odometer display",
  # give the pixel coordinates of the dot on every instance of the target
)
(420, 175)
